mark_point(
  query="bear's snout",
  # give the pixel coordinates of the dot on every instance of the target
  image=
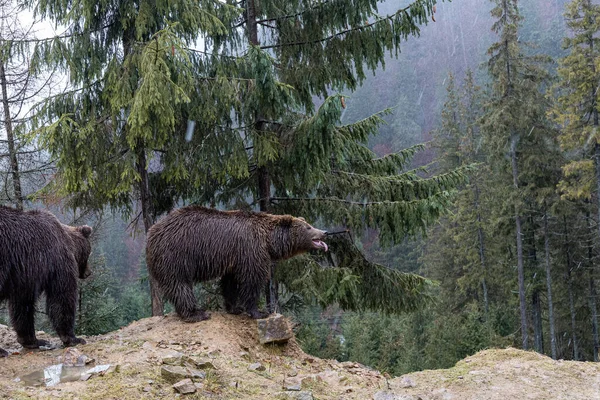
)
(85, 273)
(317, 240)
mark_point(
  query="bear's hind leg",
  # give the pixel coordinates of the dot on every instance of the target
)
(230, 291)
(185, 303)
(61, 308)
(22, 316)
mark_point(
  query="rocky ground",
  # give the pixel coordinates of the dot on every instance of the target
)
(222, 358)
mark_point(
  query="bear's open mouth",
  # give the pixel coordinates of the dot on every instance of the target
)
(319, 244)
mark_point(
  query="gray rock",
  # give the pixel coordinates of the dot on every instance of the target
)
(73, 357)
(172, 358)
(197, 374)
(274, 329)
(292, 386)
(302, 395)
(199, 363)
(256, 367)
(407, 382)
(185, 386)
(173, 373)
(385, 395)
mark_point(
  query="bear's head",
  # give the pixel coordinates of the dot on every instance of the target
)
(292, 236)
(82, 248)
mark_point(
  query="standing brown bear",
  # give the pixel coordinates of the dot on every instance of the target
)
(39, 254)
(196, 244)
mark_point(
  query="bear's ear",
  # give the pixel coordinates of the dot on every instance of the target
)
(302, 219)
(85, 230)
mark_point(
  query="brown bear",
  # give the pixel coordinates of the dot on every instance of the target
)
(195, 244)
(38, 255)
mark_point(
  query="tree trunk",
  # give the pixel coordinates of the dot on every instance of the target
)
(597, 162)
(263, 178)
(146, 203)
(573, 324)
(480, 236)
(12, 149)
(549, 289)
(520, 268)
(571, 296)
(536, 303)
(594, 311)
(538, 336)
(593, 305)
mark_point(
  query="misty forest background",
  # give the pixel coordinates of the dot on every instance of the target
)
(452, 146)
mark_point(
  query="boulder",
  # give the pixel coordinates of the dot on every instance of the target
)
(274, 329)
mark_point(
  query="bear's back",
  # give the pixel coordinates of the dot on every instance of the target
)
(32, 240)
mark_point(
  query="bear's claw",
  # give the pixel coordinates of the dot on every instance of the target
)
(197, 317)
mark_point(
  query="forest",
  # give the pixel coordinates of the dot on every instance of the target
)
(450, 147)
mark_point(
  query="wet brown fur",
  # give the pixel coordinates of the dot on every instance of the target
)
(195, 244)
(39, 255)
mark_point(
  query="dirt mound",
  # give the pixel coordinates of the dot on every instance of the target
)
(244, 369)
(505, 374)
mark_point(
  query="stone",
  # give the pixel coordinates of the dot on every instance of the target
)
(407, 382)
(196, 374)
(185, 386)
(173, 373)
(172, 358)
(147, 389)
(148, 346)
(385, 395)
(292, 386)
(274, 329)
(329, 377)
(199, 363)
(73, 357)
(300, 395)
(256, 367)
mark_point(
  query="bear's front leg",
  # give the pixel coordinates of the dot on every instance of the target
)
(249, 293)
(70, 341)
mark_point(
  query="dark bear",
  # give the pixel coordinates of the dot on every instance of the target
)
(38, 255)
(195, 244)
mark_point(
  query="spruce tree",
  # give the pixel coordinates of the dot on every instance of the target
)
(576, 111)
(236, 118)
(514, 125)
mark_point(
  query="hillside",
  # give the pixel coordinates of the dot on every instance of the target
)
(137, 353)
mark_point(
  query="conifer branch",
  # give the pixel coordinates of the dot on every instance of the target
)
(349, 202)
(358, 28)
(61, 36)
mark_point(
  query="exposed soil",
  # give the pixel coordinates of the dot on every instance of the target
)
(231, 343)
